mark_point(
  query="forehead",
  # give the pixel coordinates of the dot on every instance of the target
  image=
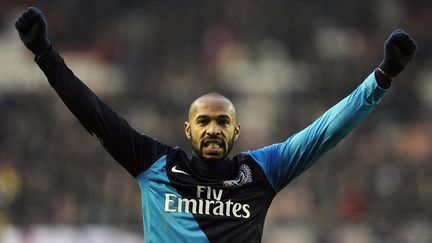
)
(211, 106)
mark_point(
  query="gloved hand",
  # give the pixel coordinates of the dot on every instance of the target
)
(32, 29)
(399, 50)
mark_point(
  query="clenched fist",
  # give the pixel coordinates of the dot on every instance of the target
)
(399, 50)
(32, 29)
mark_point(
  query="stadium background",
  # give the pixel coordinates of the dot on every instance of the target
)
(282, 62)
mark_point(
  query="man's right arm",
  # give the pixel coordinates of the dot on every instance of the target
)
(135, 152)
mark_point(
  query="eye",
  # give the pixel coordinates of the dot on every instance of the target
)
(202, 122)
(224, 122)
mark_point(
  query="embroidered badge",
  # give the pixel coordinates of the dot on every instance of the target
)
(244, 177)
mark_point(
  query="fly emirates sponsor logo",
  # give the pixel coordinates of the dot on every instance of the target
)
(207, 202)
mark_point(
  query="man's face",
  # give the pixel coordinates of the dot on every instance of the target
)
(212, 127)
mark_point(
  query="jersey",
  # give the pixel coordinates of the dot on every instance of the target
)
(185, 199)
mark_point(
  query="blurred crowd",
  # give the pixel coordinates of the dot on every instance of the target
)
(283, 63)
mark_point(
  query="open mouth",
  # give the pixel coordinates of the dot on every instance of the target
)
(213, 144)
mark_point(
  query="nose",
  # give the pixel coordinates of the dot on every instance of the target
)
(213, 129)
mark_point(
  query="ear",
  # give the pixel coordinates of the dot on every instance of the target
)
(236, 131)
(187, 129)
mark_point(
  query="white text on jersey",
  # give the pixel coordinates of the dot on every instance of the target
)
(211, 205)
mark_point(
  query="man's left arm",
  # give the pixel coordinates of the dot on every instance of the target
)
(283, 162)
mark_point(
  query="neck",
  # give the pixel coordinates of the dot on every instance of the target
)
(213, 170)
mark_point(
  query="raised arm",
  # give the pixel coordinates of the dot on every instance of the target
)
(284, 161)
(135, 152)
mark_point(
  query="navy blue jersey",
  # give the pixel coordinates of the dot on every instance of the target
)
(185, 199)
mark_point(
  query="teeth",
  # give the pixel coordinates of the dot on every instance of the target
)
(213, 145)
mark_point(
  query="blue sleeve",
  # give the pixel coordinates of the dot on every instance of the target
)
(285, 161)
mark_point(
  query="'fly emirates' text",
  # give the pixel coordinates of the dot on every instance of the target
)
(210, 205)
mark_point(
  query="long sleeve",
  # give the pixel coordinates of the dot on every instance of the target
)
(134, 151)
(284, 161)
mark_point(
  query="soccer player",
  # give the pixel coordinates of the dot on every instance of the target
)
(209, 196)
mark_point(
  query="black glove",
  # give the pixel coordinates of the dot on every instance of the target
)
(32, 29)
(399, 50)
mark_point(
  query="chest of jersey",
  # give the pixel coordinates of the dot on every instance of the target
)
(227, 208)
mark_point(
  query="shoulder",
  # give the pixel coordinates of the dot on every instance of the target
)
(247, 162)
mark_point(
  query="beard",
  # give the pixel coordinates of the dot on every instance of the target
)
(199, 146)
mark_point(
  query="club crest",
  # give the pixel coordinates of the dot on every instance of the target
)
(244, 177)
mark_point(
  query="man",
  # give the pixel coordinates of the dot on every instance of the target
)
(208, 196)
